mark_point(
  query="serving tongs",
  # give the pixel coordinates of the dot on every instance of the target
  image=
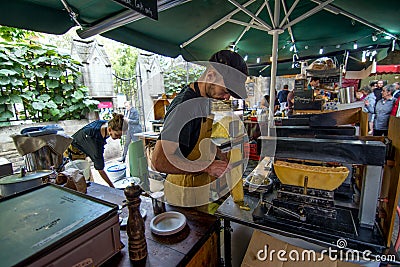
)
(300, 217)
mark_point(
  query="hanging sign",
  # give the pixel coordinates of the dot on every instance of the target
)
(144, 7)
(105, 105)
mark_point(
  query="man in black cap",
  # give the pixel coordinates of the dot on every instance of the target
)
(180, 151)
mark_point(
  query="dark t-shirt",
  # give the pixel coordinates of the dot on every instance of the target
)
(90, 141)
(181, 114)
(282, 96)
(378, 94)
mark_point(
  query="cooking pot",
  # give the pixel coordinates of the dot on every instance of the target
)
(347, 95)
(21, 181)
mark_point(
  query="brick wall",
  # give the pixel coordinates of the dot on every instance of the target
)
(8, 151)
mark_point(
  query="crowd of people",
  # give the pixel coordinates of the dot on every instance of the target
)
(381, 101)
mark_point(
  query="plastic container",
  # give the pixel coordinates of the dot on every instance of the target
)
(82, 165)
(116, 172)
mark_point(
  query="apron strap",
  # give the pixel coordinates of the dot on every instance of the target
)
(196, 88)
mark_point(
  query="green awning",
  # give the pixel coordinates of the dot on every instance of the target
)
(335, 30)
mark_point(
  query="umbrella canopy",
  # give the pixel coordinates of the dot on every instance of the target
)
(387, 69)
(196, 29)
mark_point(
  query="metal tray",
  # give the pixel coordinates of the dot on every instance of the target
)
(35, 222)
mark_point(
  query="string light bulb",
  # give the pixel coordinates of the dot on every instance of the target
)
(355, 46)
(246, 57)
(258, 60)
(321, 50)
(374, 37)
(363, 59)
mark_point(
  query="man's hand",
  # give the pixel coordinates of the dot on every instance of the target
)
(217, 168)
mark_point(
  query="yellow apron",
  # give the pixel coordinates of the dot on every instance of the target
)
(191, 190)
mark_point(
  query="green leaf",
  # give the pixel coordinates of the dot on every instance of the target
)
(84, 89)
(44, 97)
(51, 104)
(67, 87)
(38, 105)
(89, 102)
(16, 82)
(38, 60)
(20, 52)
(6, 72)
(4, 80)
(46, 116)
(27, 95)
(52, 83)
(4, 99)
(54, 111)
(40, 72)
(15, 99)
(58, 99)
(19, 60)
(78, 95)
(55, 73)
(4, 56)
(6, 63)
(6, 115)
(28, 74)
(39, 51)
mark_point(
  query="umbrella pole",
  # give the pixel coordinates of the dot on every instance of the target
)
(275, 38)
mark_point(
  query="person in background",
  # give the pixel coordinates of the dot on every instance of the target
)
(382, 111)
(368, 97)
(396, 93)
(378, 90)
(132, 117)
(290, 102)
(313, 84)
(282, 95)
(90, 140)
(265, 103)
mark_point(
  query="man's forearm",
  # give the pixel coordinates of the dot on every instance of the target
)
(174, 164)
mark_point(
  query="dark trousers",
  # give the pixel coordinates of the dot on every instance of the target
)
(380, 132)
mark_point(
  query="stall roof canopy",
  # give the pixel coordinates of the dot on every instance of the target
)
(196, 29)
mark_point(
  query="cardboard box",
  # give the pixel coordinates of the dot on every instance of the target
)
(267, 251)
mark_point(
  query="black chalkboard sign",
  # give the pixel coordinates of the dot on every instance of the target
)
(304, 95)
(300, 84)
(148, 8)
(331, 79)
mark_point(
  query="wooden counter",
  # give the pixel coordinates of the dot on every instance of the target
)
(196, 245)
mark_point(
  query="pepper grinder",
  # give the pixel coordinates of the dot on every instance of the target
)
(137, 245)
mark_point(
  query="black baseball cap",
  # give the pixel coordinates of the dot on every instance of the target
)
(234, 71)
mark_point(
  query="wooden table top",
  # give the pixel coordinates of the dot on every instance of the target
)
(171, 250)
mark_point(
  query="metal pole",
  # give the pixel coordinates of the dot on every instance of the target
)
(140, 88)
(275, 38)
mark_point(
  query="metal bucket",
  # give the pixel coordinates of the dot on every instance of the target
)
(42, 159)
(347, 95)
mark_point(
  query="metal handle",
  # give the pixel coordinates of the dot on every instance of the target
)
(300, 217)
